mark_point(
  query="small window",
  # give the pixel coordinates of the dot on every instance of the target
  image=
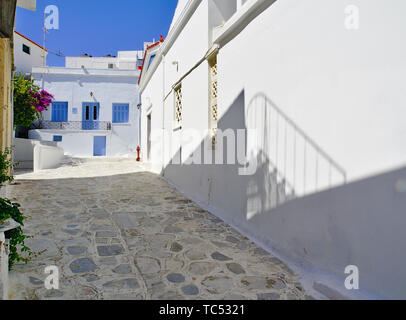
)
(87, 116)
(121, 112)
(151, 60)
(26, 49)
(95, 117)
(111, 66)
(57, 138)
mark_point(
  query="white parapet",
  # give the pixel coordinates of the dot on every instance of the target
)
(47, 157)
(36, 154)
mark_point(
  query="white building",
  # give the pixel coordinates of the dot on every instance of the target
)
(27, 54)
(126, 60)
(322, 83)
(95, 110)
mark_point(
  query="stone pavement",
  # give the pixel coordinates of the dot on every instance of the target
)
(117, 231)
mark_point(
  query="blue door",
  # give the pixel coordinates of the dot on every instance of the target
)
(90, 116)
(99, 146)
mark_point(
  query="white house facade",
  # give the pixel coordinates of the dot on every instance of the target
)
(317, 88)
(27, 54)
(95, 108)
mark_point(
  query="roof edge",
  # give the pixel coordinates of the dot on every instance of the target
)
(185, 16)
(26, 38)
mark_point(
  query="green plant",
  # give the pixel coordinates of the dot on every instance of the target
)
(9, 210)
(5, 165)
(24, 110)
(29, 101)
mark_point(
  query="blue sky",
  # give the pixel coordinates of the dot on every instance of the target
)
(97, 27)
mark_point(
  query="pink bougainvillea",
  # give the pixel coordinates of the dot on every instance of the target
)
(41, 100)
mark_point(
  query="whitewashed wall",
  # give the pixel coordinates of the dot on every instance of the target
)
(80, 144)
(23, 61)
(343, 88)
(125, 60)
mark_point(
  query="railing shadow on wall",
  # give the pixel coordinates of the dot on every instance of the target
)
(289, 163)
(300, 163)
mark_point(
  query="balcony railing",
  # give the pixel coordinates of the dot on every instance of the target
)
(76, 125)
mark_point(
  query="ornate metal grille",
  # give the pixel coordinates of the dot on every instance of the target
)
(213, 99)
(76, 125)
(178, 105)
(214, 93)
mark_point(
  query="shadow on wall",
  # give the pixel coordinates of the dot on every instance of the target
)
(326, 231)
(220, 184)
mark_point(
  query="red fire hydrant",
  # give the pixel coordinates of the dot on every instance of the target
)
(138, 154)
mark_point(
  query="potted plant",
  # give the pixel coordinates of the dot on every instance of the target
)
(10, 210)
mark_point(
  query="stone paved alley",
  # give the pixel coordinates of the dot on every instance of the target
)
(117, 231)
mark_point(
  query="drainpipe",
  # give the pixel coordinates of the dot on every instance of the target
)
(139, 108)
(163, 115)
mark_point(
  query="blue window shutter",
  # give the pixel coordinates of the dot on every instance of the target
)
(59, 111)
(120, 113)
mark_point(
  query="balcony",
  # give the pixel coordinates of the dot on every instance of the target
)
(76, 125)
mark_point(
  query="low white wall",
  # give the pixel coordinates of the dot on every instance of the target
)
(23, 152)
(47, 157)
(80, 143)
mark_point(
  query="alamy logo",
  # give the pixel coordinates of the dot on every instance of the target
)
(52, 281)
(52, 17)
(352, 281)
(351, 17)
(232, 147)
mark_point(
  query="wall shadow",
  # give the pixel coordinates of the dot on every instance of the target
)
(220, 184)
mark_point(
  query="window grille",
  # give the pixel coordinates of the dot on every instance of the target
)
(178, 105)
(213, 98)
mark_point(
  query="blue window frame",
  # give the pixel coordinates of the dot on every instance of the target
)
(57, 138)
(121, 112)
(151, 60)
(59, 111)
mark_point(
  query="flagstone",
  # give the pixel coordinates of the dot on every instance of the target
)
(113, 250)
(82, 265)
(132, 236)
